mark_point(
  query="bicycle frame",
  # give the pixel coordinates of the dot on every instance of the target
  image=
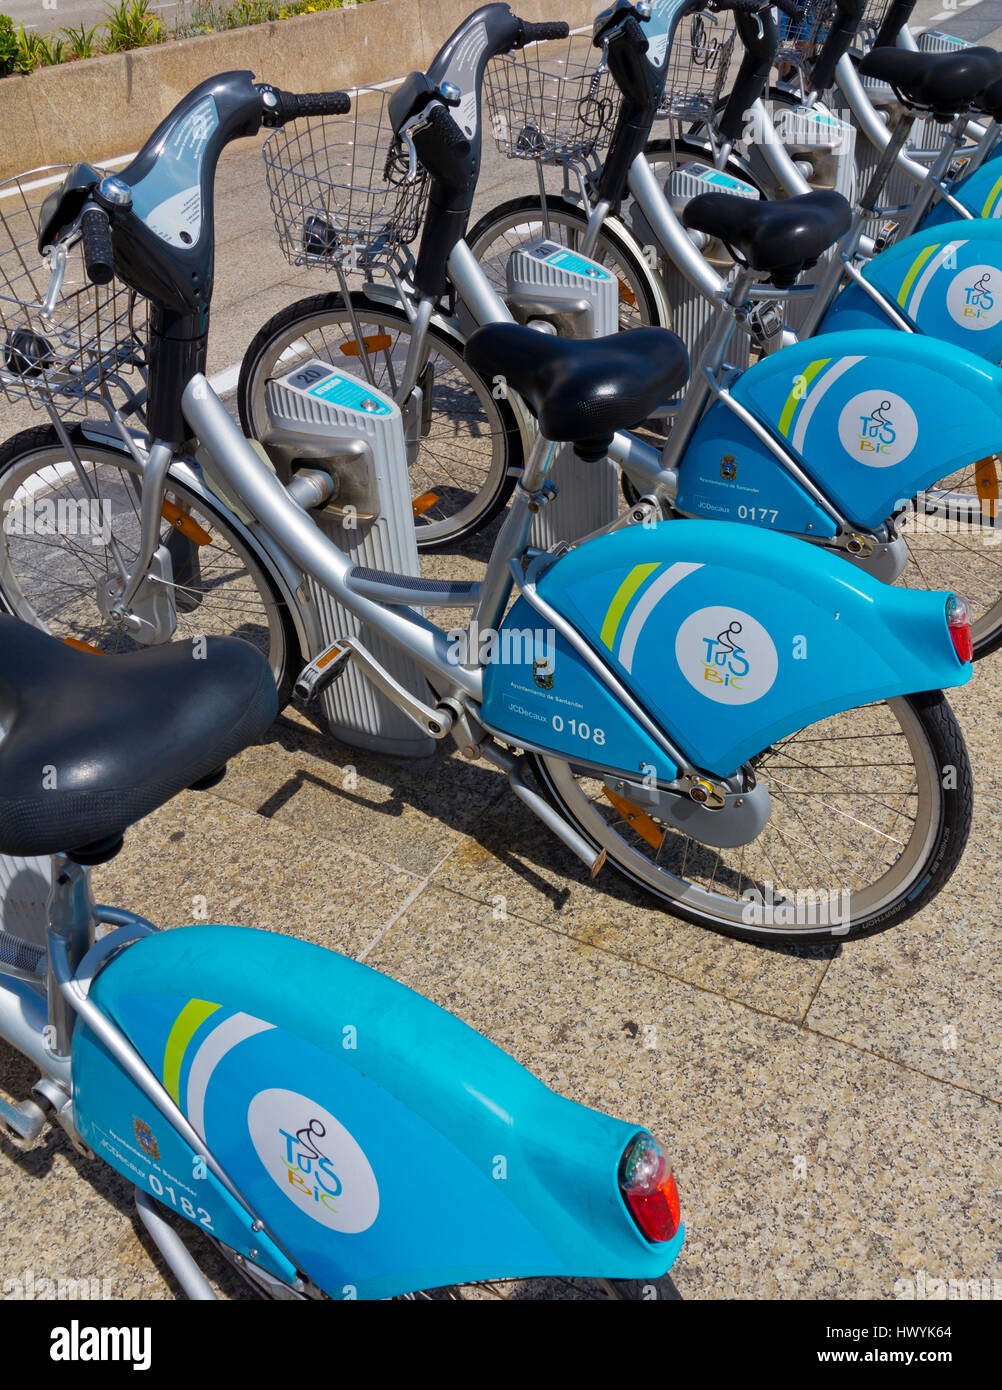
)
(459, 684)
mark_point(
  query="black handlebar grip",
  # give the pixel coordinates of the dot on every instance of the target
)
(791, 8)
(290, 106)
(448, 131)
(539, 33)
(99, 258)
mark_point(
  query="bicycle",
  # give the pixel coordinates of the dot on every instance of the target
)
(261, 1088)
(699, 795)
(329, 183)
(950, 528)
(926, 540)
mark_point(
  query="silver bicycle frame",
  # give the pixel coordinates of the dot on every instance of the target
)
(294, 531)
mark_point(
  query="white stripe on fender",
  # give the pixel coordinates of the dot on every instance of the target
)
(644, 608)
(220, 1041)
(825, 381)
(929, 272)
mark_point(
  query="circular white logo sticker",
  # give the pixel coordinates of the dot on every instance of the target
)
(974, 298)
(726, 655)
(314, 1160)
(878, 428)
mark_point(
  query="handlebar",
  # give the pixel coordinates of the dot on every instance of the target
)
(280, 107)
(99, 258)
(789, 7)
(540, 33)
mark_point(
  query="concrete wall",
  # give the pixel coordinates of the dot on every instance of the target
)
(103, 107)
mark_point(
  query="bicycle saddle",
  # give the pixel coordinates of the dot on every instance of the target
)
(990, 100)
(91, 744)
(944, 83)
(583, 389)
(782, 237)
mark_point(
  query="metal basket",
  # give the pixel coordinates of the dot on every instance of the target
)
(874, 14)
(800, 39)
(551, 102)
(701, 49)
(339, 188)
(94, 336)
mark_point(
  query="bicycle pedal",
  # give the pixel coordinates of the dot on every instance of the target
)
(322, 671)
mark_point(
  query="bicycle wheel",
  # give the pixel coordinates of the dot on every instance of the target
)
(513, 224)
(871, 809)
(470, 451)
(955, 542)
(59, 538)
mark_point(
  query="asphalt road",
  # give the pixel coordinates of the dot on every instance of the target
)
(49, 16)
(975, 20)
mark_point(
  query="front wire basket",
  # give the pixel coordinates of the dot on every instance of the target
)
(552, 102)
(801, 39)
(701, 50)
(874, 14)
(72, 359)
(340, 190)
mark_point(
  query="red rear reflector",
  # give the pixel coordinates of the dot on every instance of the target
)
(648, 1187)
(958, 619)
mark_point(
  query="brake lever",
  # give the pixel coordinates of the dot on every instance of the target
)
(404, 136)
(56, 257)
(420, 120)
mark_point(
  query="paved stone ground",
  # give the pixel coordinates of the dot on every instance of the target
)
(835, 1115)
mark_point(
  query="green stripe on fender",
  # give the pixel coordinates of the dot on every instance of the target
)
(799, 393)
(186, 1025)
(917, 265)
(996, 189)
(624, 593)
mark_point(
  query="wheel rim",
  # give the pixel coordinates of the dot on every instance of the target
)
(868, 775)
(494, 248)
(954, 544)
(462, 459)
(50, 580)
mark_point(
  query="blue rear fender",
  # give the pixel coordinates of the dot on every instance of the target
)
(874, 417)
(980, 193)
(945, 280)
(386, 1145)
(732, 637)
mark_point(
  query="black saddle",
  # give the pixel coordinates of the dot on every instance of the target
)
(90, 744)
(579, 389)
(944, 83)
(782, 238)
(990, 100)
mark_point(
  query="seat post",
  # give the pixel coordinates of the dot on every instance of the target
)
(707, 369)
(495, 590)
(72, 919)
(871, 197)
(926, 195)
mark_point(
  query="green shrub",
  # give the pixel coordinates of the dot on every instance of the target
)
(8, 45)
(81, 42)
(132, 24)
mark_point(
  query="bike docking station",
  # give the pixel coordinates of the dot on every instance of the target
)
(694, 316)
(556, 290)
(346, 438)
